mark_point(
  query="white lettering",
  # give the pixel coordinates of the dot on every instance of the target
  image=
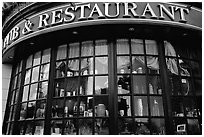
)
(96, 10)
(82, 14)
(182, 16)
(148, 9)
(43, 22)
(107, 10)
(56, 15)
(164, 10)
(69, 14)
(134, 6)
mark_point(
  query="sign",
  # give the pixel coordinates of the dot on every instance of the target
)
(83, 12)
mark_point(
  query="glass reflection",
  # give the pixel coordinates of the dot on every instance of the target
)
(137, 46)
(102, 126)
(70, 127)
(39, 128)
(60, 69)
(37, 57)
(125, 126)
(101, 47)
(42, 91)
(190, 107)
(124, 107)
(124, 84)
(85, 126)
(139, 84)
(151, 47)
(29, 127)
(156, 104)
(177, 107)
(29, 61)
(87, 66)
(27, 77)
(101, 85)
(72, 87)
(87, 48)
(152, 64)
(25, 93)
(122, 46)
(23, 111)
(154, 85)
(59, 88)
(158, 126)
(142, 126)
(35, 74)
(73, 50)
(44, 72)
(57, 108)
(140, 106)
(69, 109)
(30, 110)
(33, 91)
(193, 127)
(62, 52)
(123, 64)
(73, 68)
(138, 65)
(101, 65)
(46, 56)
(40, 109)
(86, 87)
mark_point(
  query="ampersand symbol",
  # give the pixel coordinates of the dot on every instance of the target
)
(28, 27)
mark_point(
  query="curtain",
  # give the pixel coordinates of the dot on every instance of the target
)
(122, 46)
(87, 48)
(101, 47)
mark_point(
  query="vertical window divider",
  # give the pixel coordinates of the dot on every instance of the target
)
(93, 103)
(147, 87)
(131, 86)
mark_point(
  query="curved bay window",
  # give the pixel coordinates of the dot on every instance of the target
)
(85, 86)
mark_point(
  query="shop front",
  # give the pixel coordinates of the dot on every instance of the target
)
(104, 68)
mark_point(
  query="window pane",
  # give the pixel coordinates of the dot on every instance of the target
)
(87, 66)
(16, 95)
(85, 127)
(180, 126)
(193, 127)
(122, 46)
(73, 50)
(158, 126)
(142, 126)
(177, 107)
(169, 49)
(140, 106)
(37, 57)
(33, 91)
(29, 61)
(101, 65)
(198, 87)
(73, 68)
(46, 56)
(39, 128)
(124, 84)
(156, 104)
(29, 127)
(27, 77)
(69, 110)
(72, 87)
(56, 127)
(57, 108)
(35, 74)
(137, 46)
(102, 126)
(154, 85)
(23, 111)
(125, 126)
(70, 127)
(101, 85)
(86, 87)
(124, 107)
(42, 91)
(151, 47)
(59, 88)
(123, 64)
(101, 47)
(87, 48)
(19, 80)
(138, 64)
(62, 52)
(152, 64)
(190, 107)
(60, 69)
(40, 109)
(139, 85)
(25, 93)
(44, 72)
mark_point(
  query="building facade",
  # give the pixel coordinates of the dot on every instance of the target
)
(103, 68)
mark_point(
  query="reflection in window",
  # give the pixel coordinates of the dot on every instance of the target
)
(193, 127)
(39, 128)
(86, 87)
(125, 126)
(29, 61)
(101, 85)
(122, 46)
(123, 64)
(46, 56)
(73, 50)
(27, 77)
(33, 91)
(73, 68)
(156, 104)
(101, 47)
(101, 65)
(56, 127)
(154, 85)
(42, 92)
(138, 65)
(142, 126)
(37, 58)
(101, 127)
(87, 48)
(72, 87)
(25, 93)
(40, 109)
(60, 69)
(59, 89)
(85, 126)
(140, 106)
(137, 46)
(151, 47)
(87, 66)
(62, 52)
(44, 72)
(190, 107)
(139, 84)
(70, 127)
(124, 107)
(29, 128)
(23, 111)
(158, 126)
(35, 74)
(177, 107)
(124, 84)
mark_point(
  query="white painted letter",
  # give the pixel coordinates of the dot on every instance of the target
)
(69, 14)
(107, 10)
(56, 15)
(43, 21)
(163, 9)
(134, 6)
(148, 8)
